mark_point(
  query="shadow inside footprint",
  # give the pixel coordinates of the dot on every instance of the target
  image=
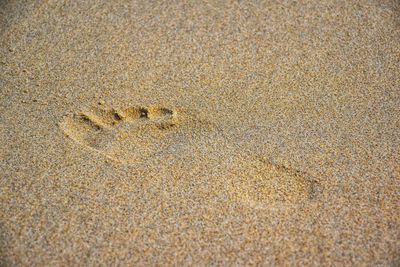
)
(133, 134)
(87, 130)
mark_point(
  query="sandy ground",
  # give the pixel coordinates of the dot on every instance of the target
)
(199, 133)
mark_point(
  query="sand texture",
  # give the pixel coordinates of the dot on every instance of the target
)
(198, 133)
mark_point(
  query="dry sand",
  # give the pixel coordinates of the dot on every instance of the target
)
(200, 133)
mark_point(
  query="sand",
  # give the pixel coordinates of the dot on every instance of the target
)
(199, 133)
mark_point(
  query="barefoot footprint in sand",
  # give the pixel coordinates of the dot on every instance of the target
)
(133, 134)
(136, 134)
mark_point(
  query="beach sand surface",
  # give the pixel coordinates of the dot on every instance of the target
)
(142, 133)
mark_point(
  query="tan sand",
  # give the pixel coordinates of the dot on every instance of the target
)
(200, 133)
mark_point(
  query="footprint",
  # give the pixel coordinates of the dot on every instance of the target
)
(135, 133)
(259, 182)
(192, 144)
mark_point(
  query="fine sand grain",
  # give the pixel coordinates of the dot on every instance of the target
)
(142, 133)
